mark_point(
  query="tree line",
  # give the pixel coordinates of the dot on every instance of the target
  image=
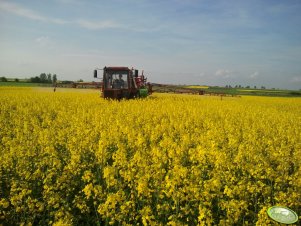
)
(247, 87)
(43, 78)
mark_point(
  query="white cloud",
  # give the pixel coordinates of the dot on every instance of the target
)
(20, 11)
(296, 79)
(96, 25)
(254, 75)
(223, 73)
(59, 21)
(30, 14)
(43, 41)
(281, 8)
(81, 55)
(69, 1)
(201, 75)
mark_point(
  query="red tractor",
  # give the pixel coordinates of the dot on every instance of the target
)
(122, 82)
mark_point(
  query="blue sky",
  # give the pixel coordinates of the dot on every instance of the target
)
(174, 41)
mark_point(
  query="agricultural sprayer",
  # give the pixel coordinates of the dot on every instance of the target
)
(123, 82)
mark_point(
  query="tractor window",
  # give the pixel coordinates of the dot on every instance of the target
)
(116, 80)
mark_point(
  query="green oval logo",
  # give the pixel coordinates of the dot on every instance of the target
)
(282, 215)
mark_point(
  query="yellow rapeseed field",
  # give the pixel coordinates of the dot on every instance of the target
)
(197, 87)
(72, 158)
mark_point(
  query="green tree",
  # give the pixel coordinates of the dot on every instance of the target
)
(3, 79)
(49, 80)
(43, 77)
(35, 79)
(54, 78)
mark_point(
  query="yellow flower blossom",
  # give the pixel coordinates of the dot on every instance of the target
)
(73, 158)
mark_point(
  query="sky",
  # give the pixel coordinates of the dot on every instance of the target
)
(205, 42)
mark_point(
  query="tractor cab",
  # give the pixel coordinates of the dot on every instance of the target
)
(122, 82)
(116, 79)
